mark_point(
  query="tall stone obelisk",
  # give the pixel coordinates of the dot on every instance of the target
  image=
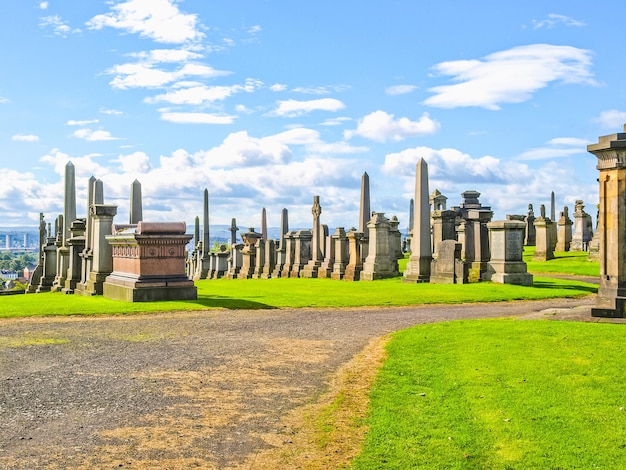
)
(205, 247)
(263, 224)
(418, 267)
(136, 205)
(69, 215)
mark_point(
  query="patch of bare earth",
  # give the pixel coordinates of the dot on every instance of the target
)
(327, 433)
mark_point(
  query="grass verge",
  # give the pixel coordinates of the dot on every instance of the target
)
(564, 262)
(499, 394)
(296, 293)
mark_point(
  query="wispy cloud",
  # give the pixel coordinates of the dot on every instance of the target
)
(559, 147)
(400, 89)
(72, 122)
(159, 20)
(57, 26)
(510, 76)
(145, 75)
(4, 100)
(111, 112)
(43, 5)
(25, 138)
(612, 119)
(380, 126)
(197, 118)
(294, 108)
(201, 94)
(554, 19)
(319, 90)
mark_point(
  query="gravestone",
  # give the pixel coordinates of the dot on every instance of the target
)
(269, 264)
(507, 247)
(280, 249)
(311, 268)
(583, 228)
(365, 213)
(302, 251)
(248, 253)
(448, 267)
(530, 235)
(380, 262)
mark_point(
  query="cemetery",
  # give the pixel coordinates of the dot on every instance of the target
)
(467, 397)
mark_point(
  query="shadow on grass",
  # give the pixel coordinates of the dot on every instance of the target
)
(215, 301)
(559, 285)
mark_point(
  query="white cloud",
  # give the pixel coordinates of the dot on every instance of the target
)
(167, 55)
(200, 94)
(159, 20)
(25, 138)
(319, 90)
(4, 100)
(197, 118)
(510, 76)
(380, 126)
(294, 108)
(72, 122)
(135, 163)
(43, 5)
(559, 147)
(612, 119)
(336, 121)
(143, 74)
(554, 19)
(278, 87)
(57, 25)
(400, 89)
(93, 136)
(111, 112)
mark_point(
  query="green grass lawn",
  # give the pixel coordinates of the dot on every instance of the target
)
(564, 262)
(503, 394)
(296, 293)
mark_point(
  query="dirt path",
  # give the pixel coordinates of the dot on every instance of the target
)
(184, 390)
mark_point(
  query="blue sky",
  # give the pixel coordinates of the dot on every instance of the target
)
(267, 103)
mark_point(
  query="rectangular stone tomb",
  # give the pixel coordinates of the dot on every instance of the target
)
(149, 263)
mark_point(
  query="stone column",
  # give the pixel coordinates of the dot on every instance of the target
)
(264, 224)
(205, 248)
(342, 253)
(531, 237)
(355, 266)
(270, 259)
(76, 245)
(564, 231)
(365, 211)
(418, 267)
(326, 268)
(477, 239)
(49, 266)
(248, 253)
(102, 261)
(311, 268)
(507, 247)
(611, 154)
(290, 253)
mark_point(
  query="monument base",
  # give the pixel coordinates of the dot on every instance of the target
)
(153, 289)
(609, 307)
(508, 272)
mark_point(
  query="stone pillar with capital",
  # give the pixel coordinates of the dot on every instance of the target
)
(611, 154)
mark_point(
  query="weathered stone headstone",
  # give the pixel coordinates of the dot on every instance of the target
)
(418, 266)
(280, 249)
(507, 247)
(248, 253)
(530, 237)
(448, 267)
(302, 251)
(380, 262)
(583, 228)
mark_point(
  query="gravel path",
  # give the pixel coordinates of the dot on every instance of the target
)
(184, 389)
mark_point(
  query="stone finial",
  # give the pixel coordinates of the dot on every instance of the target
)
(136, 205)
(542, 211)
